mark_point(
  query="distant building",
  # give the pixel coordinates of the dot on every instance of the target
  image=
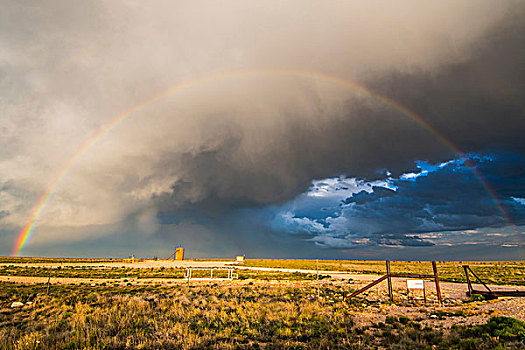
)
(240, 258)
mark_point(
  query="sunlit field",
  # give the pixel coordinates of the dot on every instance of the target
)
(493, 272)
(90, 304)
(223, 316)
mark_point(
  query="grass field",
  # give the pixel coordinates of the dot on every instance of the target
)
(249, 316)
(118, 305)
(103, 272)
(31, 260)
(492, 272)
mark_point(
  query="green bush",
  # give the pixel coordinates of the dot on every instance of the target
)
(504, 328)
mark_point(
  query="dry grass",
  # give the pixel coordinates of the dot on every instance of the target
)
(31, 260)
(106, 272)
(220, 316)
(179, 317)
(492, 272)
(270, 310)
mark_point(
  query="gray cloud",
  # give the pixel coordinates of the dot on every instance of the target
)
(476, 103)
(441, 205)
(69, 68)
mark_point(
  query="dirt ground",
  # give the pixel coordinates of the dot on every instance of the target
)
(456, 307)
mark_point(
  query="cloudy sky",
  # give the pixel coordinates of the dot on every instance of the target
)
(330, 129)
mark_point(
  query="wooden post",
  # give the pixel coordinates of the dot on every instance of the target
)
(317, 279)
(479, 279)
(48, 280)
(381, 279)
(436, 279)
(390, 293)
(468, 280)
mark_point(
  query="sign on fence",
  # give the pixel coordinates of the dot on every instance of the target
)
(415, 284)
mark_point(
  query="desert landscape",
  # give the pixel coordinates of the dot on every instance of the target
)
(262, 174)
(116, 304)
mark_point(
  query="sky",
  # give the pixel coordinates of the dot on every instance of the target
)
(278, 129)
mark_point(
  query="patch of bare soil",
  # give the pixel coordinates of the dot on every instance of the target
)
(373, 306)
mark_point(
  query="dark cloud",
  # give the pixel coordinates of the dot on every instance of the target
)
(451, 198)
(407, 241)
(217, 177)
(475, 102)
(216, 161)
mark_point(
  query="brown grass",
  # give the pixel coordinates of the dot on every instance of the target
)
(218, 316)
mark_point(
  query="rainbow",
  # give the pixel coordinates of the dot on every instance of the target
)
(28, 230)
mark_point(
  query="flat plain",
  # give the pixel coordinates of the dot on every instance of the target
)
(149, 304)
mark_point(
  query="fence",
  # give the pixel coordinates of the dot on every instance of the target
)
(231, 275)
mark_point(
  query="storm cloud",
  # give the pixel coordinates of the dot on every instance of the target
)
(452, 197)
(475, 104)
(220, 157)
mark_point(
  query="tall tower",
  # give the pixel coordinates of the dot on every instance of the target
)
(179, 253)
